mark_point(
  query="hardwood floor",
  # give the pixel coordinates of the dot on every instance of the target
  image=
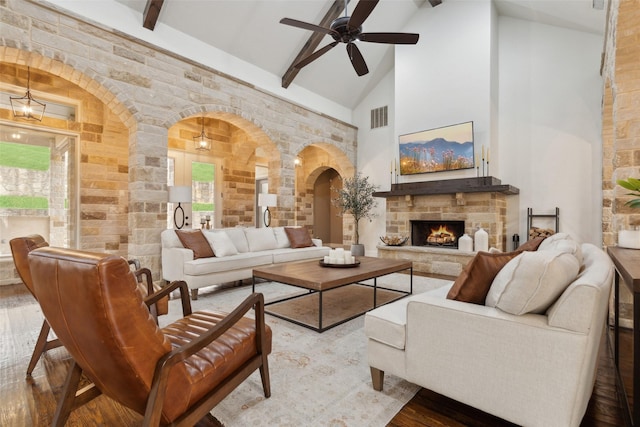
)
(32, 402)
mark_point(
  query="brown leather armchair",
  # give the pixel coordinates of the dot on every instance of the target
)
(173, 375)
(20, 248)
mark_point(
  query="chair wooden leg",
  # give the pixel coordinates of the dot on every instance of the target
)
(71, 397)
(264, 375)
(194, 294)
(41, 346)
(377, 378)
(65, 404)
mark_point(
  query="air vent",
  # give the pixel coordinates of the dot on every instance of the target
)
(379, 117)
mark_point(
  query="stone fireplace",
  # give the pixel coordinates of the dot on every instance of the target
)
(472, 202)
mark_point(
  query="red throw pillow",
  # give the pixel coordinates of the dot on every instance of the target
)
(472, 285)
(298, 237)
(195, 241)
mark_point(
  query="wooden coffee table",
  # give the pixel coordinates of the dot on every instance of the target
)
(318, 280)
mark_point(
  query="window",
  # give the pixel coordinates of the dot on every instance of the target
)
(200, 172)
(37, 192)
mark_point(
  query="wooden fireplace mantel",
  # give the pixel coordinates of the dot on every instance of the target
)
(485, 184)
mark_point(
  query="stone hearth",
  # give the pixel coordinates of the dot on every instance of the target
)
(479, 202)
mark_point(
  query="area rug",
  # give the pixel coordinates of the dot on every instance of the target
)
(338, 305)
(317, 379)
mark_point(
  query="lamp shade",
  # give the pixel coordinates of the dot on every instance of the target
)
(180, 194)
(268, 200)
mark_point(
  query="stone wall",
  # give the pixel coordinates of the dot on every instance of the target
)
(142, 93)
(620, 126)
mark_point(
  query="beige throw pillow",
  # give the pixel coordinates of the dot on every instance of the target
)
(221, 243)
(532, 281)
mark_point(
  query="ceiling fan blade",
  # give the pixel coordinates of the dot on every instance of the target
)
(315, 55)
(306, 26)
(392, 38)
(356, 59)
(361, 12)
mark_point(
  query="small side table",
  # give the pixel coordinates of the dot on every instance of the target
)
(627, 264)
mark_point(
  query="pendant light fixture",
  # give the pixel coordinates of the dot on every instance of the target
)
(202, 141)
(26, 107)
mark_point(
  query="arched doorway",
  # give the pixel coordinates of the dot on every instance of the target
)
(327, 222)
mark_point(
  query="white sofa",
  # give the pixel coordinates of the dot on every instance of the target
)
(236, 255)
(530, 369)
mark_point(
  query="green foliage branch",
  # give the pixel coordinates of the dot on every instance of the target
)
(356, 198)
(633, 185)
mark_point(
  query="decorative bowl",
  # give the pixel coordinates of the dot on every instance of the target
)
(394, 240)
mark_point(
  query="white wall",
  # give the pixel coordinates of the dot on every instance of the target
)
(533, 92)
(446, 78)
(375, 155)
(550, 123)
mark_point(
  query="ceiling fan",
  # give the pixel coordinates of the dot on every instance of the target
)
(348, 29)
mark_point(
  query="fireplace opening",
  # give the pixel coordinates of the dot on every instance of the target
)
(437, 233)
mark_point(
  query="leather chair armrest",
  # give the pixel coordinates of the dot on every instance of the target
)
(154, 297)
(165, 363)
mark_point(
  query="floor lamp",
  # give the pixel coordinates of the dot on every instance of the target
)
(267, 200)
(180, 194)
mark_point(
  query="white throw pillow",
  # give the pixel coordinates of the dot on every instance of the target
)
(562, 242)
(260, 239)
(281, 237)
(238, 238)
(532, 281)
(220, 243)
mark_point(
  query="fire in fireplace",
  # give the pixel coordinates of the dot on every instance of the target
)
(436, 233)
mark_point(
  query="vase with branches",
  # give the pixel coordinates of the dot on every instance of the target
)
(356, 198)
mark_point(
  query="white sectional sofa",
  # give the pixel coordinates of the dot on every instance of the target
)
(237, 251)
(522, 359)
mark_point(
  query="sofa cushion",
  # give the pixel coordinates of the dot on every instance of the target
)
(281, 237)
(290, 254)
(472, 285)
(298, 237)
(238, 238)
(195, 240)
(220, 243)
(204, 266)
(260, 239)
(562, 242)
(532, 281)
(387, 323)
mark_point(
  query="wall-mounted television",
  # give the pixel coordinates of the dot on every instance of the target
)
(441, 149)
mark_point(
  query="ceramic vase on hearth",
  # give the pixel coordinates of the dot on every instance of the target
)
(481, 240)
(465, 243)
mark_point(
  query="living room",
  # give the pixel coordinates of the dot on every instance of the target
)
(534, 92)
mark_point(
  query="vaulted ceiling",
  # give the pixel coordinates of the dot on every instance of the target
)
(250, 31)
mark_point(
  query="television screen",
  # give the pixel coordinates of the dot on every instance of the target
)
(435, 150)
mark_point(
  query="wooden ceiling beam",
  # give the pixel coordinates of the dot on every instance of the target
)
(314, 40)
(151, 13)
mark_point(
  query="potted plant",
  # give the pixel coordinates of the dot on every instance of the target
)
(356, 198)
(630, 238)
